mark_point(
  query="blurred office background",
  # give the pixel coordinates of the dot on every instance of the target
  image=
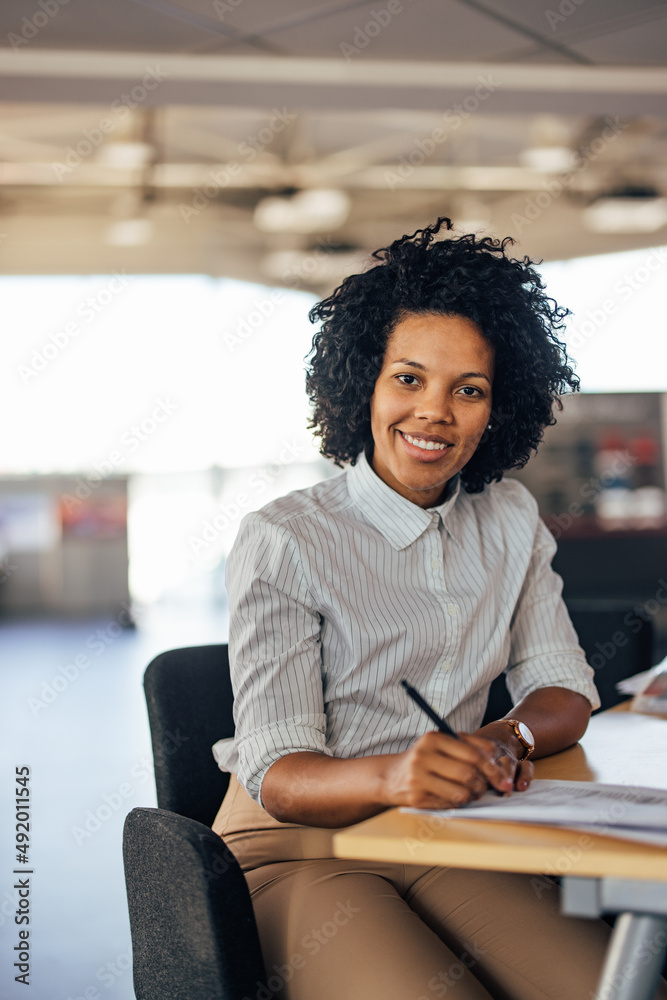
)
(179, 182)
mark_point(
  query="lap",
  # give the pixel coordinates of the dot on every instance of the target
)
(336, 929)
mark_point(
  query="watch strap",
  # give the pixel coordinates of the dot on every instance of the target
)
(514, 725)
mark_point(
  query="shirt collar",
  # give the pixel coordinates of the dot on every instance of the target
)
(399, 520)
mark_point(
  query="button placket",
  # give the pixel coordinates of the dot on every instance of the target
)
(443, 673)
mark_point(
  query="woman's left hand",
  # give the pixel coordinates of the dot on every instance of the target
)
(504, 756)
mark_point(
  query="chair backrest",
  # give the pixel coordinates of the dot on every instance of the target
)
(616, 641)
(193, 929)
(189, 699)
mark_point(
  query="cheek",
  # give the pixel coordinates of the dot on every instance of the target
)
(382, 409)
(477, 427)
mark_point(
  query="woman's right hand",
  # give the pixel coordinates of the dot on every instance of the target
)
(440, 772)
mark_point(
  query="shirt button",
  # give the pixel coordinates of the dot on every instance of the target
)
(435, 564)
(446, 665)
(453, 609)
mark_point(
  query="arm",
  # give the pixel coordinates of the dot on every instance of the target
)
(437, 772)
(556, 717)
(548, 677)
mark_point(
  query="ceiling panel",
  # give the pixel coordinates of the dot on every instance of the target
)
(644, 44)
(361, 125)
(423, 29)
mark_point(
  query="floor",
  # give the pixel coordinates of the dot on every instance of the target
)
(73, 712)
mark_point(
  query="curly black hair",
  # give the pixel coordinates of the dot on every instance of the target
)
(470, 277)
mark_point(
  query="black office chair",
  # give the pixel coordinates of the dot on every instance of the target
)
(193, 929)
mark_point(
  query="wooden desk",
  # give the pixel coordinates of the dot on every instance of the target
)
(620, 747)
(610, 875)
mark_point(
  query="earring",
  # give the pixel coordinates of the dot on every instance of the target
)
(488, 426)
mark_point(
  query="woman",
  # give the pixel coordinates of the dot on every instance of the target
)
(433, 373)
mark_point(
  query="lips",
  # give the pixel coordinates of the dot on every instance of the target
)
(430, 448)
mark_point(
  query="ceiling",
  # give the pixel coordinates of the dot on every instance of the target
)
(412, 108)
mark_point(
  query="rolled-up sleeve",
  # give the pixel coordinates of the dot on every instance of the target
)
(544, 650)
(274, 652)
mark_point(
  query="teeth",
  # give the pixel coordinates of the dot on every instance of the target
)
(425, 445)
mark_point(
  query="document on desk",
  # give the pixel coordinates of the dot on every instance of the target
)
(624, 811)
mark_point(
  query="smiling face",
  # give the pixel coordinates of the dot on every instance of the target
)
(431, 403)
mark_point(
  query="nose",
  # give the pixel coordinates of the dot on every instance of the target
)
(436, 407)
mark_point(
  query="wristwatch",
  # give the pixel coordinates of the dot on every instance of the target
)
(523, 734)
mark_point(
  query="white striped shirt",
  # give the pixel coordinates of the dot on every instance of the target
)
(339, 591)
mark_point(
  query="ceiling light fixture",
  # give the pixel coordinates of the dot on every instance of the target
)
(628, 210)
(129, 233)
(311, 211)
(547, 159)
(125, 155)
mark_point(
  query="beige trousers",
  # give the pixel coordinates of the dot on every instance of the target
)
(334, 929)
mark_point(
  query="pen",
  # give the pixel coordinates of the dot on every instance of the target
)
(425, 707)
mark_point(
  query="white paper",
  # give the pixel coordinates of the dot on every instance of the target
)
(600, 808)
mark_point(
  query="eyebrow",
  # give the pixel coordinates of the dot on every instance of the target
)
(422, 368)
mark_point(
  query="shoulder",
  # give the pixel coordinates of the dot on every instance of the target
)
(297, 513)
(276, 543)
(323, 500)
(508, 510)
(509, 497)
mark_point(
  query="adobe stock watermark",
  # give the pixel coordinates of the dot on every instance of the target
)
(130, 442)
(225, 7)
(248, 150)
(428, 826)
(107, 975)
(244, 500)
(364, 35)
(624, 289)
(604, 821)
(589, 491)
(112, 802)
(452, 119)
(86, 311)
(95, 645)
(43, 14)
(553, 188)
(633, 620)
(312, 943)
(644, 953)
(264, 306)
(565, 9)
(446, 979)
(119, 109)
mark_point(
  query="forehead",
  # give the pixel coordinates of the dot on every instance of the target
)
(435, 338)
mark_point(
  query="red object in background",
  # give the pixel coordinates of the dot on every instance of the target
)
(645, 450)
(97, 516)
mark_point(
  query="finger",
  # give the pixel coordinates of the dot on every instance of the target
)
(459, 772)
(437, 751)
(498, 769)
(442, 793)
(435, 768)
(524, 775)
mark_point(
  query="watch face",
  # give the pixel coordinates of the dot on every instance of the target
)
(526, 734)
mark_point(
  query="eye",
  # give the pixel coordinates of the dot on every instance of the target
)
(413, 380)
(471, 391)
